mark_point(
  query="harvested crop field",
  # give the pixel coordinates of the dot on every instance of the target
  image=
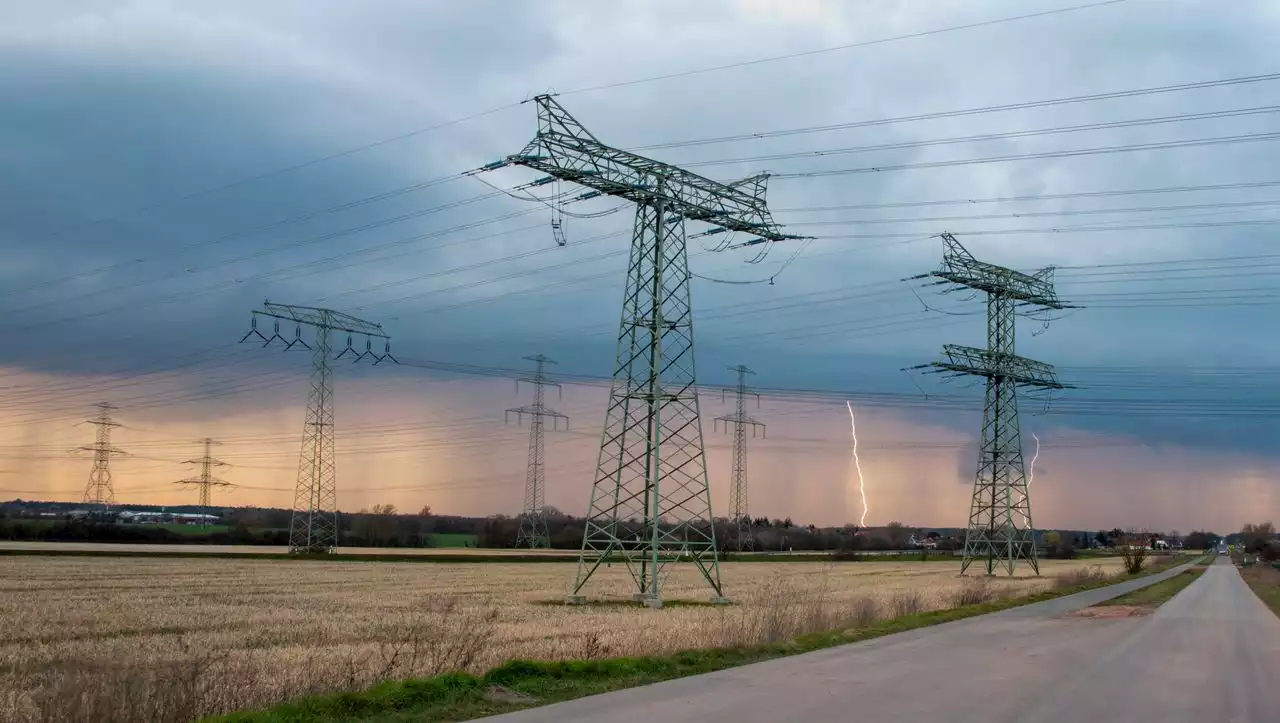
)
(249, 632)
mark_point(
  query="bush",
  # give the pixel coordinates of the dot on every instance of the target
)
(1270, 552)
(1134, 551)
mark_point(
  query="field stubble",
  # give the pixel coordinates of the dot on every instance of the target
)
(102, 639)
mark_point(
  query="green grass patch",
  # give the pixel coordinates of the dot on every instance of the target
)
(1159, 593)
(1264, 580)
(452, 539)
(180, 529)
(460, 696)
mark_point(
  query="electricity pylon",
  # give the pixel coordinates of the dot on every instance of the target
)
(314, 527)
(206, 480)
(1000, 500)
(533, 522)
(99, 491)
(739, 513)
(650, 503)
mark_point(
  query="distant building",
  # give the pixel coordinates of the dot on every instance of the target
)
(153, 518)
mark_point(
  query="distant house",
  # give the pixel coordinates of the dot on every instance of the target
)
(927, 543)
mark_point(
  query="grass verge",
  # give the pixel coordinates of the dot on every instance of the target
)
(1264, 580)
(522, 684)
(1153, 596)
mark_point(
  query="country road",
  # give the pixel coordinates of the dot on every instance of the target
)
(1212, 653)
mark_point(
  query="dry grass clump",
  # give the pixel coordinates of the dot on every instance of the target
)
(976, 591)
(138, 639)
(1068, 579)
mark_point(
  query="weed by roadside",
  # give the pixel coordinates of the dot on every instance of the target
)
(1264, 580)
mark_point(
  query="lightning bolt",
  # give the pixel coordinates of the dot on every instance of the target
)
(1031, 477)
(862, 485)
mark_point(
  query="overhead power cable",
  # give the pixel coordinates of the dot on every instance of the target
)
(837, 48)
(264, 175)
(1040, 197)
(982, 137)
(935, 115)
(1070, 153)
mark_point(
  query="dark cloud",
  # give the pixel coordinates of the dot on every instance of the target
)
(131, 103)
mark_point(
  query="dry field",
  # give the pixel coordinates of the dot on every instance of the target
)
(263, 549)
(248, 633)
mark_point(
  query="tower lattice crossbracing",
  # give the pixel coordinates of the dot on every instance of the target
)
(1000, 530)
(99, 492)
(314, 526)
(650, 503)
(206, 481)
(533, 522)
(739, 510)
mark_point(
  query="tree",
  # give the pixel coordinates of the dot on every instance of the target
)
(933, 535)
(949, 544)
(1103, 538)
(425, 511)
(1255, 537)
(897, 534)
(1199, 540)
(1052, 540)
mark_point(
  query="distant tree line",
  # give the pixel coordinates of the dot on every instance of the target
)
(379, 526)
(383, 525)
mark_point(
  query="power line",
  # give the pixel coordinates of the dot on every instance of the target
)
(1039, 197)
(1070, 153)
(983, 137)
(848, 46)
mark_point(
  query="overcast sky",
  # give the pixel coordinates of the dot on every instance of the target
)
(167, 166)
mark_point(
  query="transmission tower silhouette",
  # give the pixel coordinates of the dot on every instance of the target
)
(533, 521)
(314, 527)
(206, 480)
(739, 512)
(99, 491)
(1000, 500)
(650, 502)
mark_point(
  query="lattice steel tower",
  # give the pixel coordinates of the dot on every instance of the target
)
(650, 504)
(99, 490)
(1000, 500)
(739, 513)
(314, 528)
(206, 480)
(533, 521)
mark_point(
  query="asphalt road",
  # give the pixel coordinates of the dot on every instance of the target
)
(1209, 655)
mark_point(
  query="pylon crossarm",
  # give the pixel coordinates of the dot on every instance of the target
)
(328, 318)
(960, 268)
(966, 360)
(564, 150)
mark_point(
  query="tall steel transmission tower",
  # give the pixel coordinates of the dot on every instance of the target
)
(533, 521)
(206, 480)
(739, 513)
(1000, 500)
(650, 503)
(99, 491)
(314, 528)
